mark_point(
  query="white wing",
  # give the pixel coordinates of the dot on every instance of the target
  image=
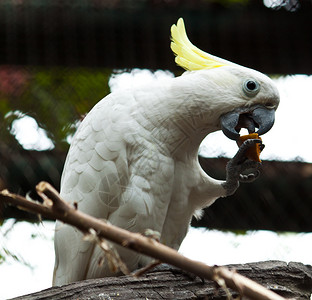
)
(113, 171)
(95, 175)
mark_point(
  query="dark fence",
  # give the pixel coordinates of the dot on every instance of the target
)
(127, 34)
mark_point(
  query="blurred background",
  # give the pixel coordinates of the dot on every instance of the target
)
(59, 58)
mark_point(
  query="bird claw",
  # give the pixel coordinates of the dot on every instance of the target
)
(240, 155)
(239, 164)
(250, 177)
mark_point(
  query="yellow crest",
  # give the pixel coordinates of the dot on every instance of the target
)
(189, 56)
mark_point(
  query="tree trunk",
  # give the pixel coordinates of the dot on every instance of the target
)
(293, 280)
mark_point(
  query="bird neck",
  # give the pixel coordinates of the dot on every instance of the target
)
(176, 119)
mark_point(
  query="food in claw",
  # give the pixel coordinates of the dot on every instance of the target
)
(253, 152)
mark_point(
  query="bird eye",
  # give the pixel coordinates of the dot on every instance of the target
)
(251, 87)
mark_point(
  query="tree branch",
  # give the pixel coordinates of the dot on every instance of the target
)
(55, 207)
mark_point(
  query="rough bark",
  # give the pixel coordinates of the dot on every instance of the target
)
(293, 280)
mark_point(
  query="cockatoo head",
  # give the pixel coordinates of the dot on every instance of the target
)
(243, 98)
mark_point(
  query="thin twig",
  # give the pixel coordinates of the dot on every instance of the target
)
(147, 268)
(59, 209)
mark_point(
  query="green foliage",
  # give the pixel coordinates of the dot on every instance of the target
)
(56, 97)
(6, 253)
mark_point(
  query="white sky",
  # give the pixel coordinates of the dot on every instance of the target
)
(288, 140)
(30, 135)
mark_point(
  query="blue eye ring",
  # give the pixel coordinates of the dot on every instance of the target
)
(251, 87)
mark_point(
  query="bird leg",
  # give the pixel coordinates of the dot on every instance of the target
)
(238, 164)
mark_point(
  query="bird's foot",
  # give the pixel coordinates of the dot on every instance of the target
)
(239, 164)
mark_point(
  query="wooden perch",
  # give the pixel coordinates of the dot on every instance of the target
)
(55, 207)
(293, 281)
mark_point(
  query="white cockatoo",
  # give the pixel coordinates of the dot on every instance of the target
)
(134, 158)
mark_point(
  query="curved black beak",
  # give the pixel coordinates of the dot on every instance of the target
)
(259, 117)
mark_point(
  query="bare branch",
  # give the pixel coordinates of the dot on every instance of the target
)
(147, 268)
(55, 207)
